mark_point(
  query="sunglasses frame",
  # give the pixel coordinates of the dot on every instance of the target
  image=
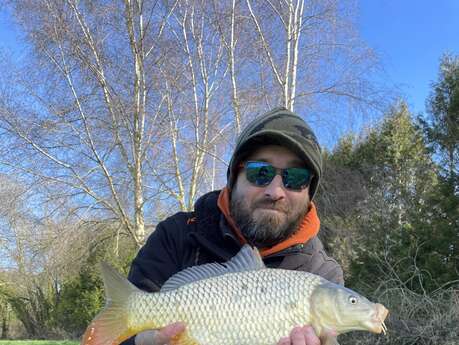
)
(278, 171)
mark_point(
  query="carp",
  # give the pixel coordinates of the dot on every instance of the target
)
(239, 302)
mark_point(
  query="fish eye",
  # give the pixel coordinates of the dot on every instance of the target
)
(352, 299)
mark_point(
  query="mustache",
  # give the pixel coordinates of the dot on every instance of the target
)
(271, 204)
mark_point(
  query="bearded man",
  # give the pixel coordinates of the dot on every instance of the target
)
(273, 176)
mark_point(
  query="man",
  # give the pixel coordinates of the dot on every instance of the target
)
(272, 178)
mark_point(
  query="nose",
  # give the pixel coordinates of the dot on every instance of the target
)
(275, 190)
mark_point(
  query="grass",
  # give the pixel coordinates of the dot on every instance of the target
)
(38, 342)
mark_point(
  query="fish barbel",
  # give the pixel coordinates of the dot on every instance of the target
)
(240, 302)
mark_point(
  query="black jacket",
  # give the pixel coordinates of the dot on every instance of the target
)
(203, 236)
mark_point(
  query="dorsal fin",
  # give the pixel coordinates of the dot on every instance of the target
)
(248, 259)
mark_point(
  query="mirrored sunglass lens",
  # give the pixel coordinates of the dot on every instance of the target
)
(296, 178)
(259, 173)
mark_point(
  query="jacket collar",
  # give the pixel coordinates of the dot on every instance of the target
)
(212, 230)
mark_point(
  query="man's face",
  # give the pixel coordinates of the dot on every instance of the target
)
(268, 215)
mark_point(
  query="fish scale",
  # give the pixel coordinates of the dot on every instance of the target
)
(240, 302)
(248, 300)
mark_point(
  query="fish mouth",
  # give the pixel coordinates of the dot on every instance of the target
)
(377, 324)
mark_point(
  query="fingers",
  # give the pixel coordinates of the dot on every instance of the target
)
(297, 336)
(310, 336)
(301, 336)
(165, 335)
(159, 337)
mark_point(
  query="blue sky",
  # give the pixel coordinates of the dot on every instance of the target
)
(409, 36)
(8, 32)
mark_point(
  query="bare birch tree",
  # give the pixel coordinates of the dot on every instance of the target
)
(228, 32)
(125, 110)
(311, 50)
(91, 133)
(192, 82)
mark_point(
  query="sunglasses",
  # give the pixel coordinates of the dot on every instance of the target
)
(261, 174)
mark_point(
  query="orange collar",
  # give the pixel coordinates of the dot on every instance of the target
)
(308, 228)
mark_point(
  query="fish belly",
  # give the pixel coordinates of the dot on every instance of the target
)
(255, 307)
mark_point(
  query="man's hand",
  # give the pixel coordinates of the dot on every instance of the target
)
(160, 337)
(301, 336)
(298, 336)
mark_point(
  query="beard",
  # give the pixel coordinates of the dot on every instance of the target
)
(266, 222)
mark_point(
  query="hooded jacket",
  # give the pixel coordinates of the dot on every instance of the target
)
(204, 236)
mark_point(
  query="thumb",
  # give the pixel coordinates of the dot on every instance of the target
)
(164, 335)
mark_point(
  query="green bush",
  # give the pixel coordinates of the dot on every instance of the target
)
(81, 298)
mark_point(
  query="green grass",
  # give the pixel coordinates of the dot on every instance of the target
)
(38, 342)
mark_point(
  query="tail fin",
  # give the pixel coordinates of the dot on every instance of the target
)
(110, 326)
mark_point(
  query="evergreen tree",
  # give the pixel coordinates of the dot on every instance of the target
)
(82, 295)
(442, 127)
(399, 177)
(442, 132)
(80, 299)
